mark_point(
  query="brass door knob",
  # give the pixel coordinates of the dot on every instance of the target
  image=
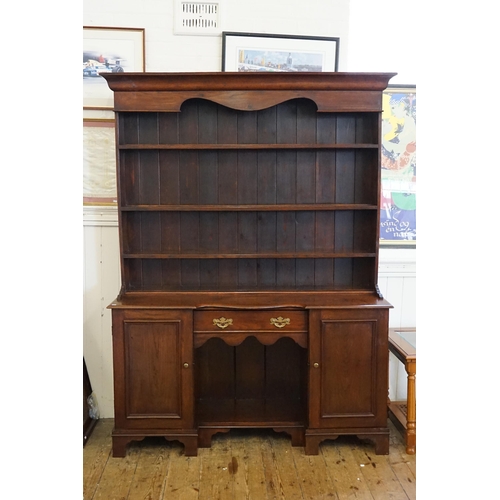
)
(186, 365)
(316, 365)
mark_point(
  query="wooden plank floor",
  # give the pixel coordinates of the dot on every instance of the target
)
(248, 464)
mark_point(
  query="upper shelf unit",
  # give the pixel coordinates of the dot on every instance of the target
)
(237, 182)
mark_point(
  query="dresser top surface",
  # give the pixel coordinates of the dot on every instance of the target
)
(249, 300)
(229, 81)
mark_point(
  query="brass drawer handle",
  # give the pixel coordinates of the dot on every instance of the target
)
(223, 322)
(280, 322)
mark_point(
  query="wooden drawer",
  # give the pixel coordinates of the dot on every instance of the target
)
(228, 321)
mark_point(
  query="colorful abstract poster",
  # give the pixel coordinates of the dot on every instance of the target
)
(398, 222)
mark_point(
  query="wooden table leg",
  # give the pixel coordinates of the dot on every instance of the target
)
(411, 418)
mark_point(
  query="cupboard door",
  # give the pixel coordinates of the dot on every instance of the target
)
(348, 368)
(153, 369)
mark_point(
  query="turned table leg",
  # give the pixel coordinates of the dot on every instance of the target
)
(411, 417)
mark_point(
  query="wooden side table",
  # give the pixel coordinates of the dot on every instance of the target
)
(402, 343)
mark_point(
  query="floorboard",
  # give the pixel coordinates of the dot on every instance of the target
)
(151, 472)
(184, 475)
(344, 469)
(247, 465)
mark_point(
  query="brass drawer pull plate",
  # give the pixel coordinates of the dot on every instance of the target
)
(280, 322)
(223, 322)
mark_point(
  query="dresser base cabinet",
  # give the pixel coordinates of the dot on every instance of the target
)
(314, 374)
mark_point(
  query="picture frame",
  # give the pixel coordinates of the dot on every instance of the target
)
(398, 198)
(99, 162)
(108, 49)
(274, 52)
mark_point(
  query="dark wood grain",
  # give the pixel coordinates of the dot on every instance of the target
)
(252, 197)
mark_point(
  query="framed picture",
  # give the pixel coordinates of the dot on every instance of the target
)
(108, 50)
(99, 162)
(267, 52)
(398, 204)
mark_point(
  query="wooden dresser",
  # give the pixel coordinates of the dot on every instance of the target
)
(249, 234)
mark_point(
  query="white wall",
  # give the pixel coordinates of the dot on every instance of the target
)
(361, 49)
(101, 283)
(382, 38)
(168, 52)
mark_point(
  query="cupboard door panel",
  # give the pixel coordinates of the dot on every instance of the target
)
(348, 358)
(347, 368)
(153, 388)
(153, 351)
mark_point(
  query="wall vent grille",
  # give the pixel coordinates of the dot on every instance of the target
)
(197, 18)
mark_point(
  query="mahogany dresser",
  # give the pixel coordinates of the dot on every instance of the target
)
(249, 237)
